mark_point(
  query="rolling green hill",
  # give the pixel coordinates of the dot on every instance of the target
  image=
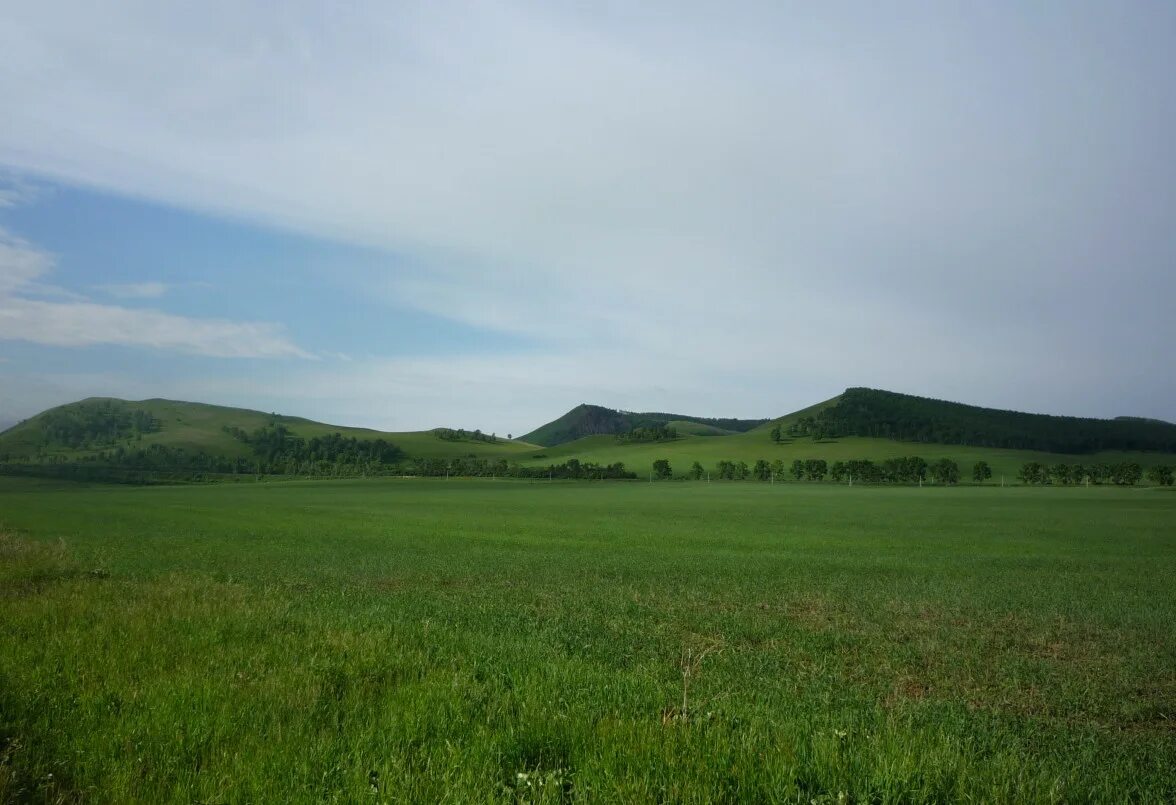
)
(860, 424)
(885, 414)
(89, 426)
(594, 420)
(685, 426)
(930, 429)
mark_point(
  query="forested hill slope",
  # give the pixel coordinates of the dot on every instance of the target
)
(888, 415)
(164, 428)
(596, 420)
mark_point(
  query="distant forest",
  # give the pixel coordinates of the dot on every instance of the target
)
(276, 446)
(648, 433)
(462, 435)
(886, 415)
(95, 423)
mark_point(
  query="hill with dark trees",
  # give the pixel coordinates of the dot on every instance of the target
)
(888, 415)
(595, 420)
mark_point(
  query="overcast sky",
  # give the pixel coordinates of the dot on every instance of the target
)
(406, 215)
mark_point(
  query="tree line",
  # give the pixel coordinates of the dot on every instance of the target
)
(462, 435)
(913, 470)
(910, 469)
(1127, 473)
(648, 433)
(472, 467)
(275, 444)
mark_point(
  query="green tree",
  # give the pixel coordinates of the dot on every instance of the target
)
(762, 471)
(696, 471)
(1160, 475)
(815, 469)
(945, 471)
(1032, 472)
(778, 469)
(797, 470)
(776, 434)
(661, 469)
(981, 472)
(1060, 474)
(1127, 474)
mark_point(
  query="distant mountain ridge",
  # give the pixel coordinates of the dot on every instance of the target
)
(905, 417)
(595, 420)
(85, 429)
(81, 429)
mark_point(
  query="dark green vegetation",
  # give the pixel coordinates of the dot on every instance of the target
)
(594, 420)
(462, 435)
(156, 441)
(433, 641)
(153, 440)
(1127, 473)
(869, 412)
(95, 422)
(648, 433)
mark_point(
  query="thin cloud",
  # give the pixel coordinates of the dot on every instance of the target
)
(82, 323)
(135, 290)
(17, 191)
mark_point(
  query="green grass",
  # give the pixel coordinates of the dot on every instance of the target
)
(686, 426)
(430, 641)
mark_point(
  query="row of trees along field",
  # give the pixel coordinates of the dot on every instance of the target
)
(158, 463)
(1126, 473)
(886, 415)
(908, 469)
(470, 466)
(913, 470)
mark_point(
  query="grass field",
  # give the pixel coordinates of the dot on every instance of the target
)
(433, 641)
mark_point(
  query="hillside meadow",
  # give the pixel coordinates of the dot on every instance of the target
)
(452, 641)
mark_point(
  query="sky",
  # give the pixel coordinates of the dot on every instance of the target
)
(409, 215)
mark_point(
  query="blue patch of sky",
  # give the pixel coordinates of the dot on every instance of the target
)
(328, 295)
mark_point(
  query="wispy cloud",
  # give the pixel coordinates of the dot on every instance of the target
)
(16, 190)
(135, 290)
(79, 322)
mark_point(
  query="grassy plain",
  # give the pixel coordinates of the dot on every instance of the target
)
(434, 641)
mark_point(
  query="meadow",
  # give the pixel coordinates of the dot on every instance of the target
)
(396, 640)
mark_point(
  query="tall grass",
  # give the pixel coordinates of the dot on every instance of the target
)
(413, 641)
